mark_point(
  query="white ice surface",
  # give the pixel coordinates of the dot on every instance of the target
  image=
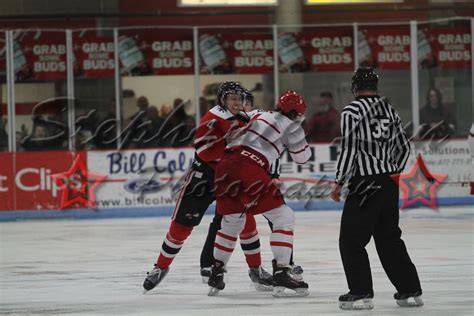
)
(98, 266)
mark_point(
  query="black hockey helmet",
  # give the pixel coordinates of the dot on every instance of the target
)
(364, 78)
(228, 87)
(248, 96)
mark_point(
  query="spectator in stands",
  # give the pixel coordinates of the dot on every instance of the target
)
(324, 125)
(105, 132)
(165, 110)
(85, 126)
(3, 134)
(153, 125)
(178, 129)
(41, 140)
(204, 105)
(135, 126)
(436, 120)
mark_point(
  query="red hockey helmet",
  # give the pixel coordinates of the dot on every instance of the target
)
(291, 101)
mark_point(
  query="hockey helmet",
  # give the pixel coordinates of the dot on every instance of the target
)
(364, 78)
(291, 101)
(229, 87)
(248, 96)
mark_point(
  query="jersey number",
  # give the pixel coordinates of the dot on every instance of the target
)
(380, 128)
(211, 123)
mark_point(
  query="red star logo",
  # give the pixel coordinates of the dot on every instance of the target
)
(419, 185)
(78, 185)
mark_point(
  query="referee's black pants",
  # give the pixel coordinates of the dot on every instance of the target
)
(371, 209)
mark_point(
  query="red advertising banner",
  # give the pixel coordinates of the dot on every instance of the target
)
(40, 55)
(447, 47)
(156, 51)
(6, 182)
(384, 47)
(33, 185)
(93, 55)
(234, 51)
(329, 49)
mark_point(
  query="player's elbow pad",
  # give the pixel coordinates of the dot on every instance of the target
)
(302, 157)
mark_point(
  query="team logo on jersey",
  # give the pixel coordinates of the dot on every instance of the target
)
(419, 185)
(253, 157)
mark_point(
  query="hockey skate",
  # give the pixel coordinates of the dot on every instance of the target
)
(284, 279)
(205, 274)
(216, 280)
(261, 279)
(297, 272)
(403, 299)
(154, 278)
(351, 301)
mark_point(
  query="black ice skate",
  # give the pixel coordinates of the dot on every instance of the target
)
(216, 280)
(297, 272)
(154, 278)
(284, 279)
(351, 301)
(403, 299)
(261, 279)
(206, 274)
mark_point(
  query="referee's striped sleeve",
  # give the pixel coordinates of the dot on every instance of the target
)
(403, 145)
(275, 169)
(349, 119)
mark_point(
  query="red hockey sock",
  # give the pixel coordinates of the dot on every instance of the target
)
(176, 236)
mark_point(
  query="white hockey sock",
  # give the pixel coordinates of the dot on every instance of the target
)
(281, 239)
(281, 242)
(224, 246)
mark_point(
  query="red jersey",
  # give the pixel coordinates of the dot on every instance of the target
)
(209, 139)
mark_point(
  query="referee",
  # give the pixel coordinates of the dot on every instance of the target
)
(374, 146)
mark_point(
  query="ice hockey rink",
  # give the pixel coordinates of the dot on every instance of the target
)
(98, 266)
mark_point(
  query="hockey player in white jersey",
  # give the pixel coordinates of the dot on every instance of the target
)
(243, 186)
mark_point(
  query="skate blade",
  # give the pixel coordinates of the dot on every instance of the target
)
(262, 288)
(365, 303)
(417, 301)
(279, 291)
(213, 291)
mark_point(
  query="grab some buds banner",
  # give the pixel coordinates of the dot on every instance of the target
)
(42, 55)
(445, 47)
(384, 47)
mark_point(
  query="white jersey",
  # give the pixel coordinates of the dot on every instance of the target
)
(270, 133)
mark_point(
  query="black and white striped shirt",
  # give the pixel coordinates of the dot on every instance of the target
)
(275, 169)
(373, 139)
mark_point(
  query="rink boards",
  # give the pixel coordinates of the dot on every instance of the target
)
(146, 182)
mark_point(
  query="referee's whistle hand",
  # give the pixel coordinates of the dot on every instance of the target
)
(336, 193)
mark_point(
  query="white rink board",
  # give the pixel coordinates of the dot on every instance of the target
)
(162, 166)
(122, 169)
(98, 266)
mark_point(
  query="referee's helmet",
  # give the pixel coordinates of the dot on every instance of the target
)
(291, 102)
(364, 78)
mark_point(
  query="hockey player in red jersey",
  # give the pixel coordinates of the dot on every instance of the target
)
(241, 194)
(197, 192)
(261, 278)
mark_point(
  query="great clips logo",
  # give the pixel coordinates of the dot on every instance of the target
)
(35, 179)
